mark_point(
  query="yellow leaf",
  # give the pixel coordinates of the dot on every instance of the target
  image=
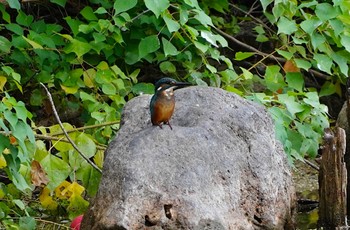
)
(89, 76)
(33, 43)
(103, 65)
(2, 193)
(76, 189)
(6, 151)
(69, 90)
(98, 158)
(46, 200)
(3, 81)
(61, 192)
(3, 163)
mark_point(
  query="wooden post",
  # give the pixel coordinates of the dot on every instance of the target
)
(333, 180)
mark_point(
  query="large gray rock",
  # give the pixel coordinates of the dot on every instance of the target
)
(219, 168)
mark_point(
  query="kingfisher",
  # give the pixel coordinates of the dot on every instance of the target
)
(163, 101)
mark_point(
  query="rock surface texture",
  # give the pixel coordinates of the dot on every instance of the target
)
(219, 168)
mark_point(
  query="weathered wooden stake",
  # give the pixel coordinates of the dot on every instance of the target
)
(333, 180)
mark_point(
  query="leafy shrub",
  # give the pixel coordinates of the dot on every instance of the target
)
(91, 63)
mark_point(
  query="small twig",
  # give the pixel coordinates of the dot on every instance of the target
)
(312, 165)
(269, 56)
(65, 132)
(51, 138)
(258, 20)
(87, 127)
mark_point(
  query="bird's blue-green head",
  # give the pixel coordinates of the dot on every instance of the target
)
(167, 82)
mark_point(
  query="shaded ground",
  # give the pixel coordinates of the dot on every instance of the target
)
(306, 186)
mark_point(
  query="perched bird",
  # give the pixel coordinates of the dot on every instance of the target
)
(163, 101)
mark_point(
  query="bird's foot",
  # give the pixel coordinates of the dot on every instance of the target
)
(169, 125)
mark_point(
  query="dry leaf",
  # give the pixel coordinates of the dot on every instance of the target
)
(38, 174)
(290, 67)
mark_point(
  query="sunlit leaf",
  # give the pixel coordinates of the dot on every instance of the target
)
(324, 62)
(57, 170)
(157, 6)
(286, 26)
(239, 56)
(122, 6)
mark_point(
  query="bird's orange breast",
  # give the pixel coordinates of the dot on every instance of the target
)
(163, 110)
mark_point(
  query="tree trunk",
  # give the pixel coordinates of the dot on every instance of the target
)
(333, 180)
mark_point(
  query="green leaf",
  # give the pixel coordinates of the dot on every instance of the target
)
(101, 10)
(209, 37)
(287, 55)
(59, 145)
(337, 26)
(239, 56)
(201, 47)
(317, 40)
(148, 45)
(286, 26)
(87, 97)
(183, 15)
(265, 3)
(77, 205)
(192, 3)
(309, 25)
(122, 6)
(328, 88)
(33, 43)
(326, 11)
(77, 47)
(14, 4)
(5, 45)
(59, 2)
(21, 111)
(90, 178)
(292, 106)
(86, 145)
(295, 81)
(27, 223)
(246, 73)
(143, 88)
(57, 170)
(341, 59)
(203, 18)
(157, 6)
(14, 28)
(324, 62)
(109, 89)
(303, 64)
(171, 24)
(88, 13)
(11, 118)
(23, 19)
(273, 78)
(19, 204)
(345, 41)
(169, 48)
(167, 67)
(74, 25)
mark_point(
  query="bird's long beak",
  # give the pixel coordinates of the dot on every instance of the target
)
(179, 85)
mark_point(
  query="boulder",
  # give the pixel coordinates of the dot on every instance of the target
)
(219, 168)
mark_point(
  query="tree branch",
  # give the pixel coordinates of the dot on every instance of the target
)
(65, 132)
(269, 56)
